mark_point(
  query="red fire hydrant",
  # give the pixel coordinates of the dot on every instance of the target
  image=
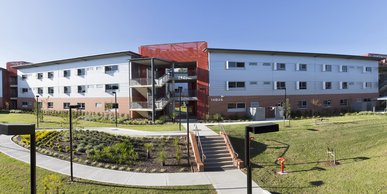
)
(282, 165)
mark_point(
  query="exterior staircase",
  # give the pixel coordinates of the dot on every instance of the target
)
(217, 156)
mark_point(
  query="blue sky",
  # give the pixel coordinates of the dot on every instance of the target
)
(43, 30)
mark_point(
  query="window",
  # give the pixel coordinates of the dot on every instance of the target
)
(327, 85)
(111, 87)
(66, 105)
(24, 104)
(280, 66)
(66, 73)
(301, 67)
(327, 68)
(111, 68)
(344, 102)
(367, 69)
(81, 106)
(235, 85)
(51, 90)
(266, 83)
(367, 85)
(266, 64)
(40, 91)
(302, 85)
(81, 89)
(50, 105)
(280, 85)
(253, 64)
(39, 75)
(235, 65)
(24, 77)
(50, 75)
(67, 89)
(236, 107)
(81, 72)
(254, 104)
(344, 85)
(301, 104)
(367, 100)
(327, 103)
(98, 105)
(343, 68)
(253, 83)
(24, 90)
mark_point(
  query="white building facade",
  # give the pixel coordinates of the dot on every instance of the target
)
(240, 79)
(87, 81)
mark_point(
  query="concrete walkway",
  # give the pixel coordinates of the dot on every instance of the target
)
(229, 181)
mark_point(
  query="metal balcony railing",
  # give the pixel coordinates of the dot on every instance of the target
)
(184, 76)
(160, 104)
(148, 82)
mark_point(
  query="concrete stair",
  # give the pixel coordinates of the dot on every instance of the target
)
(217, 155)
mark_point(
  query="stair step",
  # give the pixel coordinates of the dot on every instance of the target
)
(210, 152)
(214, 148)
(222, 162)
(220, 154)
(218, 168)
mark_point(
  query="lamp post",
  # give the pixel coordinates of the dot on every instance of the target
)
(71, 140)
(256, 129)
(115, 105)
(180, 89)
(37, 111)
(23, 129)
(187, 106)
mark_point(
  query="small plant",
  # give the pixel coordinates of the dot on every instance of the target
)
(52, 184)
(162, 157)
(178, 155)
(148, 147)
(176, 142)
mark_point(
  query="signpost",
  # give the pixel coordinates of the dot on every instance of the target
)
(255, 129)
(24, 129)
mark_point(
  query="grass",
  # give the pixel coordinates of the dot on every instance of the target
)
(15, 178)
(361, 148)
(58, 122)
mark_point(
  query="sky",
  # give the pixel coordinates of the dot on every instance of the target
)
(45, 30)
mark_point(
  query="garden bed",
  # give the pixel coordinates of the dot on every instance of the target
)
(113, 151)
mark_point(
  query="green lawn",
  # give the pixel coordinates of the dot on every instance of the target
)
(15, 178)
(58, 122)
(360, 143)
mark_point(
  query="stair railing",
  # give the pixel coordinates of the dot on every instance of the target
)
(237, 162)
(203, 156)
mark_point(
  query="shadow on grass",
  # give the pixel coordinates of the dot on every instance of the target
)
(312, 169)
(312, 129)
(161, 188)
(256, 148)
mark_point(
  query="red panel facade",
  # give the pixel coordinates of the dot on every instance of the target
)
(186, 52)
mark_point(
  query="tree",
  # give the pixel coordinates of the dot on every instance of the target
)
(148, 147)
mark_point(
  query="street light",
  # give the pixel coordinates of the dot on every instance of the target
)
(179, 89)
(115, 105)
(256, 129)
(71, 139)
(23, 129)
(187, 106)
(37, 111)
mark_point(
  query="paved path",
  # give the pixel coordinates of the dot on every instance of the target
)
(229, 181)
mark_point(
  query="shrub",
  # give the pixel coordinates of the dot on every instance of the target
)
(52, 184)
(178, 155)
(162, 157)
(148, 147)
(121, 153)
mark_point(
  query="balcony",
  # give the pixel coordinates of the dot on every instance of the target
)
(145, 82)
(147, 105)
(186, 95)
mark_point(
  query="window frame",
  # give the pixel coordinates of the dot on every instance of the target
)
(50, 106)
(81, 72)
(52, 90)
(110, 68)
(82, 90)
(302, 104)
(50, 75)
(66, 73)
(304, 87)
(282, 87)
(237, 107)
(66, 105)
(238, 85)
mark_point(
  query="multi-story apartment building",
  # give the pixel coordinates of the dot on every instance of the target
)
(225, 81)
(87, 81)
(2, 77)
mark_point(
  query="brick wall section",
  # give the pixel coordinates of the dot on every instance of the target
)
(90, 103)
(267, 101)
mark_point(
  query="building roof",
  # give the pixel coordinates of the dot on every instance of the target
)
(286, 53)
(84, 58)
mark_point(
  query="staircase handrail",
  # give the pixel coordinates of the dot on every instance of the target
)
(237, 162)
(203, 156)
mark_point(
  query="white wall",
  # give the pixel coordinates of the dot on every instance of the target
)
(95, 77)
(314, 75)
(1, 83)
